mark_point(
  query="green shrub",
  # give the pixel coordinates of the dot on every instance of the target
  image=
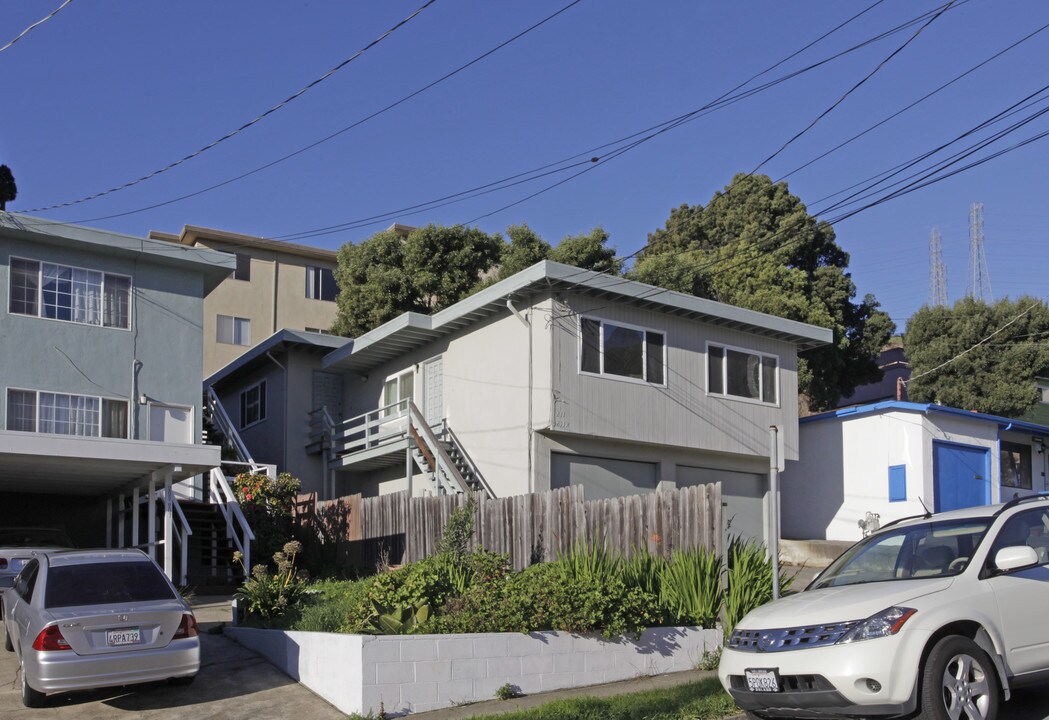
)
(334, 606)
(749, 579)
(267, 505)
(589, 562)
(643, 570)
(425, 582)
(455, 542)
(691, 587)
(270, 595)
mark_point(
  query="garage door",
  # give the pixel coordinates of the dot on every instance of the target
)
(743, 496)
(602, 477)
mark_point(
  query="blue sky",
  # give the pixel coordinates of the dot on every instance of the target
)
(104, 93)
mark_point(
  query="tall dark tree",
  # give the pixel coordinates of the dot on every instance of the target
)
(756, 246)
(589, 251)
(8, 189)
(954, 363)
(525, 249)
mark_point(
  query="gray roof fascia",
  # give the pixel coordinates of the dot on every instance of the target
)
(275, 341)
(213, 265)
(383, 343)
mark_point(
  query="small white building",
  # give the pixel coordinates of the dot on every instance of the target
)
(895, 459)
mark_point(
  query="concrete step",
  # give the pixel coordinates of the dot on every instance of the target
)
(812, 553)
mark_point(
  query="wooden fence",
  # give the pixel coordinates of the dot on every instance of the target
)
(529, 528)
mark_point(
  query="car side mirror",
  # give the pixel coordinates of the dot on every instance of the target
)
(1015, 558)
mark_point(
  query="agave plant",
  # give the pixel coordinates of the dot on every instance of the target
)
(749, 579)
(397, 619)
(690, 585)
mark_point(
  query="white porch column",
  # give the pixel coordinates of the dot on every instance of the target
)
(109, 523)
(169, 526)
(135, 539)
(151, 536)
(120, 520)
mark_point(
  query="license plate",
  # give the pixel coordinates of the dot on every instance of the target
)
(123, 636)
(762, 680)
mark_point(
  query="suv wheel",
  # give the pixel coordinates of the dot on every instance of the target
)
(959, 682)
(30, 697)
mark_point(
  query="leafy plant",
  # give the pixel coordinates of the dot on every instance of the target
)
(399, 619)
(589, 562)
(710, 660)
(643, 570)
(749, 579)
(691, 587)
(507, 692)
(455, 543)
(267, 504)
(269, 595)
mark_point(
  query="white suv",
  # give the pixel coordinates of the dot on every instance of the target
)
(938, 616)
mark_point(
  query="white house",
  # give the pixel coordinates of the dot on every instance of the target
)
(555, 376)
(895, 459)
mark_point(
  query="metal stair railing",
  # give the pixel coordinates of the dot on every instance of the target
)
(225, 426)
(467, 460)
(445, 472)
(222, 495)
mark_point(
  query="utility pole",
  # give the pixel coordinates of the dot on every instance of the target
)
(937, 271)
(979, 277)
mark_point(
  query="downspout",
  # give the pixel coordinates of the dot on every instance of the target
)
(283, 420)
(517, 314)
(1007, 428)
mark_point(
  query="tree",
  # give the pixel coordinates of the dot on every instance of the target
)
(756, 246)
(588, 251)
(8, 189)
(951, 366)
(430, 269)
(525, 249)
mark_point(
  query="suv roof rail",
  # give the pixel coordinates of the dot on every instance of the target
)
(924, 515)
(1020, 500)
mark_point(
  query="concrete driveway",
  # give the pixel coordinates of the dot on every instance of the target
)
(233, 684)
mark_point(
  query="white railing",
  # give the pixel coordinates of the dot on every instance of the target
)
(182, 533)
(475, 472)
(225, 425)
(445, 472)
(237, 528)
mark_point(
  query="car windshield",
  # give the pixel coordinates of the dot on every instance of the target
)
(929, 549)
(34, 538)
(105, 583)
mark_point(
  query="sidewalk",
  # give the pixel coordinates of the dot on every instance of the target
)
(499, 707)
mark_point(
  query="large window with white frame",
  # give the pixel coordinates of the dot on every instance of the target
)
(739, 373)
(66, 414)
(621, 351)
(397, 391)
(70, 294)
(253, 405)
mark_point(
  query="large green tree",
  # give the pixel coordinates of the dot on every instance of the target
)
(954, 363)
(756, 246)
(589, 251)
(430, 269)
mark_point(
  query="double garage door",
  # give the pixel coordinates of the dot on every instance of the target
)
(743, 494)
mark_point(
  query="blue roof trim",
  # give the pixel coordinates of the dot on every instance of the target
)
(889, 405)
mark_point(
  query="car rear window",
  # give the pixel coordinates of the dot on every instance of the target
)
(34, 537)
(105, 583)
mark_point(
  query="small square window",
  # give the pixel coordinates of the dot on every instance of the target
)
(897, 483)
(243, 271)
(253, 405)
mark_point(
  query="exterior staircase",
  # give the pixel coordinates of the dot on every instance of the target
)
(210, 568)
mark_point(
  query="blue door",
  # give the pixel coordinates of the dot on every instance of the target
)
(961, 475)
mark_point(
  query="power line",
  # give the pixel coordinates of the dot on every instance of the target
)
(36, 24)
(299, 93)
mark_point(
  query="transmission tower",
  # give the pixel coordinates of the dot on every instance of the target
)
(937, 271)
(979, 277)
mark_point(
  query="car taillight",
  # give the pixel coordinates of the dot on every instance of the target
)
(187, 628)
(50, 638)
(3, 563)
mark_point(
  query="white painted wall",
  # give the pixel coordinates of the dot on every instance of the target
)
(416, 673)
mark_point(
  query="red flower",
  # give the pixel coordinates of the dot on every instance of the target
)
(247, 496)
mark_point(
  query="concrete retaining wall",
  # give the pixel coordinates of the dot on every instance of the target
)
(415, 673)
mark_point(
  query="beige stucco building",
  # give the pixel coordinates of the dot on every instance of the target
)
(276, 285)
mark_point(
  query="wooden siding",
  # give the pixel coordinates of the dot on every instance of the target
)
(529, 528)
(680, 413)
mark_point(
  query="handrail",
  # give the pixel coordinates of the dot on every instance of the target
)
(474, 470)
(225, 425)
(223, 496)
(446, 472)
(183, 535)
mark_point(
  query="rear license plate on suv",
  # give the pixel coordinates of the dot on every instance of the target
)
(762, 680)
(123, 636)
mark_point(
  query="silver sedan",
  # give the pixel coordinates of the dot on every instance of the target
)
(82, 619)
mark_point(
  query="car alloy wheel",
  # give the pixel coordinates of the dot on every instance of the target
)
(30, 697)
(960, 683)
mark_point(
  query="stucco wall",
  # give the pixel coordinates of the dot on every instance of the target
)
(164, 341)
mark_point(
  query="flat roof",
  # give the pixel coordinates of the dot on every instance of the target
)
(192, 234)
(412, 330)
(891, 405)
(277, 341)
(215, 266)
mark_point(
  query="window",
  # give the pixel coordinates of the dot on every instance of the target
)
(621, 350)
(1030, 528)
(320, 284)
(319, 331)
(233, 330)
(1016, 465)
(396, 393)
(64, 414)
(70, 294)
(742, 374)
(897, 483)
(105, 583)
(243, 271)
(253, 405)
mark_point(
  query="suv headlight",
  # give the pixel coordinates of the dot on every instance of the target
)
(887, 622)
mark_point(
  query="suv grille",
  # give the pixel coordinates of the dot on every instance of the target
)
(796, 638)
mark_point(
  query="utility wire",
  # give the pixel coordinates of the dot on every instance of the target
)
(246, 125)
(36, 24)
